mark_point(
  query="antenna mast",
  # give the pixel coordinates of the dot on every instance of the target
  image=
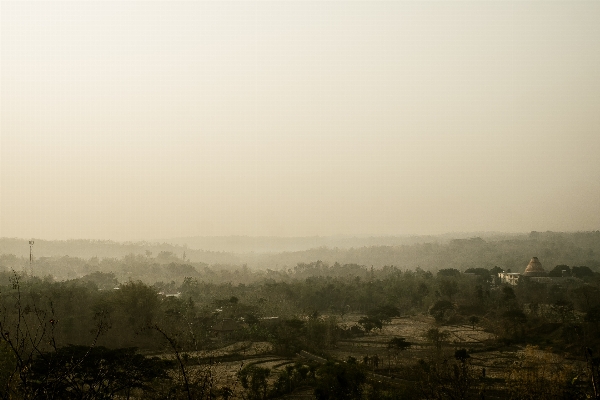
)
(31, 257)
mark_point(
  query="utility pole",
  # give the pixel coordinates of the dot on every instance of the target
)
(31, 257)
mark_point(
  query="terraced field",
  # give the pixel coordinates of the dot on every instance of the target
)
(223, 372)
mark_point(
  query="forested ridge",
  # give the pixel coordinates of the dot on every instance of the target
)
(505, 251)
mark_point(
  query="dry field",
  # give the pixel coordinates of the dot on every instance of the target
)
(496, 363)
(375, 343)
(412, 329)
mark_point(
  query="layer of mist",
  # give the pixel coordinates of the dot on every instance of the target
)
(145, 261)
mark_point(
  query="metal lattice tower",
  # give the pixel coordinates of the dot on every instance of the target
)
(31, 257)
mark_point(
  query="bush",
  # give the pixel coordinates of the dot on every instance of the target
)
(340, 381)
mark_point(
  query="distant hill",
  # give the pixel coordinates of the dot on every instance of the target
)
(507, 252)
(108, 249)
(427, 252)
(214, 249)
(276, 244)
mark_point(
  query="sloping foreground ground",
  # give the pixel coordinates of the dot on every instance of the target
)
(374, 345)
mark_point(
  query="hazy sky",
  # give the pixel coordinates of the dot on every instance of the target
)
(140, 120)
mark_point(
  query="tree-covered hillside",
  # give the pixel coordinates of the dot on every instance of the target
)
(505, 251)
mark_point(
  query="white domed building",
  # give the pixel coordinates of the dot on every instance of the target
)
(534, 268)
